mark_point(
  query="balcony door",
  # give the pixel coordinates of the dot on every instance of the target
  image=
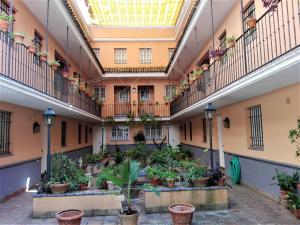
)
(122, 101)
(60, 83)
(146, 100)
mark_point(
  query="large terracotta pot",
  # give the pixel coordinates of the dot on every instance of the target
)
(4, 25)
(155, 181)
(201, 182)
(129, 219)
(297, 213)
(182, 214)
(69, 217)
(59, 188)
(251, 22)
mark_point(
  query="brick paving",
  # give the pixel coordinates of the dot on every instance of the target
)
(246, 208)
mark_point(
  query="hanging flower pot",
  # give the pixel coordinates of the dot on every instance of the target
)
(54, 65)
(66, 72)
(43, 56)
(231, 41)
(251, 22)
(205, 67)
(217, 54)
(32, 49)
(19, 37)
(4, 21)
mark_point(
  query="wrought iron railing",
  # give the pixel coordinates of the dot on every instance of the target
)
(276, 33)
(121, 110)
(18, 64)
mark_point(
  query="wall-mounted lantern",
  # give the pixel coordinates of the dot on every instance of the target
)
(36, 127)
(134, 89)
(226, 122)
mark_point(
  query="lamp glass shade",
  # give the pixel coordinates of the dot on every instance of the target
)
(49, 116)
(209, 111)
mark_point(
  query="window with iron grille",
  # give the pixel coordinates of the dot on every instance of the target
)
(250, 34)
(171, 52)
(256, 129)
(170, 91)
(100, 93)
(145, 55)
(119, 133)
(204, 130)
(120, 55)
(79, 134)
(223, 45)
(63, 133)
(124, 95)
(4, 132)
(153, 131)
(97, 52)
(144, 93)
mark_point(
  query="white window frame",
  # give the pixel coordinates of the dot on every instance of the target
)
(120, 55)
(100, 92)
(170, 91)
(153, 131)
(124, 95)
(145, 55)
(119, 133)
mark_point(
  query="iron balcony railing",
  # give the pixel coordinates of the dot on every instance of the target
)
(18, 64)
(276, 33)
(121, 110)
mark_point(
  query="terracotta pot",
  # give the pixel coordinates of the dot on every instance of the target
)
(32, 49)
(54, 67)
(59, 188)
(283, 194)
(205, 68)
(111, 186)
(4, 25)
(298, 187)
(43, 58)
(231, 44)
(19, 38)
(83, 187)
(251, 22)
(65, 74)
(130, 219)
(182, 214)
(297, 213)
(155, 181)
(201, 182)
(222, 181)
(217, 58)
(69, 217)
(171, 183)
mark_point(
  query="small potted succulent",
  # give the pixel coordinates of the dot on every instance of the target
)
(231, 41)
(251, 22)
(205, 66)
(170, 177)
(4, 21)
(285, 183)
(182, 213)
(43, 56)
(54, 65)
(19, 37)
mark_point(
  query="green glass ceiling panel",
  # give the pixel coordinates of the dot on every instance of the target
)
(135, 13)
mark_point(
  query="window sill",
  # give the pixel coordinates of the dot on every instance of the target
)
(256, 148)
(6, 155)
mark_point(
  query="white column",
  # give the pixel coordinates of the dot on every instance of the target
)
(174, 135)
(220, 141)
(97, 138)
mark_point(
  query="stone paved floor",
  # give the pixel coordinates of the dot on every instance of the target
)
(246, 208)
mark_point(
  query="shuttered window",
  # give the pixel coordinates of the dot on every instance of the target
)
(4, 132)
(256, 129)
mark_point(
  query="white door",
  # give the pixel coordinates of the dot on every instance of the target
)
(174, 133)
(220, 140)
(97, 138)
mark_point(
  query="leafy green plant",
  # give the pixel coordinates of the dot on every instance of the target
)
(139, 137)
(293, 200)
(168, 174)
(196, 172)
(4, 16)
(82, 178)
(284, 181)
(168, 98)
(148, 119)
(129, 172)
(154, 171)
(104, 176)
(110, 119)
(92, 158)
(55, 63)
(19, 33)
(231, 38)
(294, 136)
(139, 152)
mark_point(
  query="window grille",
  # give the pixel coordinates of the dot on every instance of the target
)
(170, 91)
(124, 95)
(120, 55)
(256, 129)
(4, 132)
(153, 131)
(119, 133)
(145, 55)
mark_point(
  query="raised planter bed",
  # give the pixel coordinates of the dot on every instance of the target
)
(92, 202)
(202, 198)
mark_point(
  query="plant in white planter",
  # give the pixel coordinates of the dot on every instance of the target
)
(129, 172)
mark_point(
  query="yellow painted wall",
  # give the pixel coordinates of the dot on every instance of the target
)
(280, 110)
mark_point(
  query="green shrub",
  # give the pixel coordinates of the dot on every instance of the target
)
(139, 137)
(139, 153)
(93, 158)
(196, 172)
(285, 181)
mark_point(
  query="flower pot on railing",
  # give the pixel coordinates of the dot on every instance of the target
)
(205, 67)
(4, 21)
(231, 41)
(54, 65)
(43, 56)
(66, 72)
(32, 49)
(251, 22)
(19, 37)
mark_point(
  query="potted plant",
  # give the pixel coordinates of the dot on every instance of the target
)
(83, 182)
(129, 172)
(217, 54)
(198, 176)
(182, 213)
(71, 216)
(198, 72)
(270, 4)
(32, 47)
(54, 65)
(103, 176)
(94, 164)
(66, 72)
(4, 21)
(231, 41)
(205, 66)
(43, 56)
(251, 22)
(154, 173)
(170, 177)
(285, 183)
(19, 37)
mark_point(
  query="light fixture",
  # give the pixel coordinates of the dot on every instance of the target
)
(49, 116)
(209, 111)
(226, 122)
(36, 127)
(134, 89)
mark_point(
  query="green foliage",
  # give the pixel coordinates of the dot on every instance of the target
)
(155, 171)
(104, 176)
(231, 38)
(139, 152)
(82, 178)
(139, 137)
(293, 200)
(148, 119)
(4, 16)
(294, 136)
(169, 175)
(285, 181)
(110, 119)
(196, 172)
(55, 63)
(19, 33)
(93, 158)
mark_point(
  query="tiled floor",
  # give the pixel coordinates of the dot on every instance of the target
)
(246, 208)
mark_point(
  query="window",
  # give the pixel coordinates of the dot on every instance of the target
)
(120, 55)
(100, 93)
(4, 7)
(191, 132)
(79, 133)
(145, 55)
(153, 131)
(4, 132)
(119, 133)
(124, 95)
(63, 133)
(222, 40)
(97, 52)
(184, 131)
(204, 130)
(86, 134)
(144, 93)
(170, 91)
(256, 130)
(37, 41)
(171, 52)
(250, 34)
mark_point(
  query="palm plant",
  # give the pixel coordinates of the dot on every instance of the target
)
(129, 172)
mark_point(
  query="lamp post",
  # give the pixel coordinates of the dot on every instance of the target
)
(168, 128)
(102, 137)
(209, 114)
(49, 117)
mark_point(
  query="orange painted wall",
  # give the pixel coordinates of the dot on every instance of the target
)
(278, 117)
(26, 145)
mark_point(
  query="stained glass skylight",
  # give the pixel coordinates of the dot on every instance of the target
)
(134, 13)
